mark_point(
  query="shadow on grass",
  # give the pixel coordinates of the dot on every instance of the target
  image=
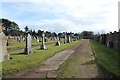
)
(89, 62)
(41, 49)
(19, 53)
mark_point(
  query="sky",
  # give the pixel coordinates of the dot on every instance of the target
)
(63, 15)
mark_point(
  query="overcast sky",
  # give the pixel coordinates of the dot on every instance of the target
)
(63, 15)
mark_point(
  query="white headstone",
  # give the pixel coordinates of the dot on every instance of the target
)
(43, 42)
(3, 49)
(28, 48)
(65, 39)
(58, 43)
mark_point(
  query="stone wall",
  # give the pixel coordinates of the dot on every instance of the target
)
(111, 40)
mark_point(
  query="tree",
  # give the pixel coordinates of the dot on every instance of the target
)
(76, 34)
(87, 34)
(26, 29)
(34, 33)
(9, 26)
(48, 34)
(39, 33)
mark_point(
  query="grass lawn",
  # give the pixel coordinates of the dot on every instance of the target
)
(73, 68)
(21, 62)
(107, 57)
(70, 68)
(16, 44)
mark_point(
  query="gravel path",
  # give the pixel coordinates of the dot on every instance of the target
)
(83, 68)
(48, 68)
(81, 64)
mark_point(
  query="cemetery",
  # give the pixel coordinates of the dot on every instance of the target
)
(55, 40)
(25, 52)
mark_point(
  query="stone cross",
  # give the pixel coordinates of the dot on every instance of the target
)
(3, 49)
(28, 47)
(43, 41)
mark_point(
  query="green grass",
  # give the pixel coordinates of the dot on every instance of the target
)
(70, 68)
(107, 57)
(16, 44)
(20, 62)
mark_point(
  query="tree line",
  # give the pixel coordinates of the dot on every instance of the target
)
(12, 28)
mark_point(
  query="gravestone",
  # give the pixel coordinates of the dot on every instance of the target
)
(28, 47)
(55, 38)
(3, 49)
(38, 39)
(51, 38)
(21, 38)
(59, 38)
(46, 39)
(18, 38)
(78, 37)
(34, 38)
(68, 38)
(14, 37)
(108, 44)
(58, 43)
(43, 41)
(9, 42)
(65, 39)
(71, 40)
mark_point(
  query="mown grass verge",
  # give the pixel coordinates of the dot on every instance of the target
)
(23, 62)
(106, 57)
(70, 68)
(16, 44)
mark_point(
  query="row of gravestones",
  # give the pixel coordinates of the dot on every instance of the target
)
(28, 47)
(22, 38)
(110, 40)
(39, 38)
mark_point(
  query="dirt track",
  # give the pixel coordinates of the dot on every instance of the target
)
(82, 63)
(87, 67)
